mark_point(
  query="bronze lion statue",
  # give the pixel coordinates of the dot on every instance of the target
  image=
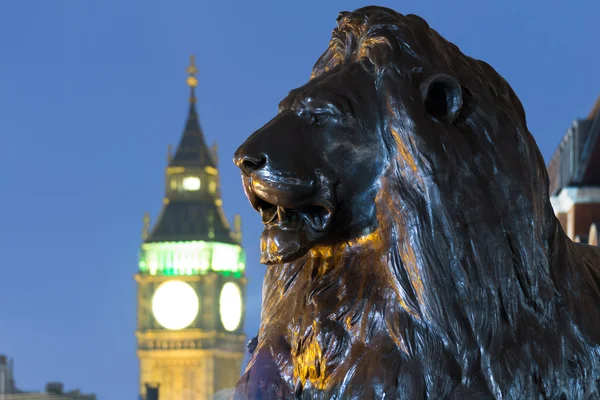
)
(412, 250)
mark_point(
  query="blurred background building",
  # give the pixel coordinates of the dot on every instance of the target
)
(574, 171)
(191, 280)
(53, 390)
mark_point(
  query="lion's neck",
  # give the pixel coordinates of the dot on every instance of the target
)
(335, 306)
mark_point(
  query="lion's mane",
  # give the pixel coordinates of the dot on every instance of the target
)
(468, 288)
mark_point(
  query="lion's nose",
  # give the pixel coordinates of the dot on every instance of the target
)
(249, 164)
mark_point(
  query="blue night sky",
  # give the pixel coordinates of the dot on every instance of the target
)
(91, 93)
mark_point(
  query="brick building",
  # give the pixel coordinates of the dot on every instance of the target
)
(574, 171)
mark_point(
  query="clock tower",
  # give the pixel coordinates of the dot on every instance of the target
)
(191, 281)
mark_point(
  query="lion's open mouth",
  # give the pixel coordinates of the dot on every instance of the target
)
(316, 217)
(295, 217)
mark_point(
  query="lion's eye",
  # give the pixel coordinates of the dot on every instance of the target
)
(318, 119)
(443, 97)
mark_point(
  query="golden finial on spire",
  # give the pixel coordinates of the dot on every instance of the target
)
(192, 71)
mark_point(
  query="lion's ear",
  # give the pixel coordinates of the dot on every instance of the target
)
(443, 97)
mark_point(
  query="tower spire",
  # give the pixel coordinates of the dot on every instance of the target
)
(192, 81)
(192, 150)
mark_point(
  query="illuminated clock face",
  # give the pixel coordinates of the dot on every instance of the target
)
(191, 183)
(230, 306)
(175, 305)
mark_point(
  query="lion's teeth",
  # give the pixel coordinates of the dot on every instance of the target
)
(281, 213)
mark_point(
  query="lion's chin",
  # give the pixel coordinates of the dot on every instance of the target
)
(280, 246)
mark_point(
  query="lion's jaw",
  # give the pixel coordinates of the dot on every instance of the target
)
(295, 213)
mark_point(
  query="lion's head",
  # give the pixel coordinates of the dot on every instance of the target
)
(407, 225)
(404, 105)
(312, 171)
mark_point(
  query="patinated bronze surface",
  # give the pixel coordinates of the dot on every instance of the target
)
(411, 247)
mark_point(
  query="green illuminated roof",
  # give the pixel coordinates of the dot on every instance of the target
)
(192, 258)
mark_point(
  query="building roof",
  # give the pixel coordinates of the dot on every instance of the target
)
(576, 162)
(587, 172)
(196, 215)
(595, 110)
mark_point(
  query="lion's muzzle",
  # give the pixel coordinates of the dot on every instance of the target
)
(294, 201)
